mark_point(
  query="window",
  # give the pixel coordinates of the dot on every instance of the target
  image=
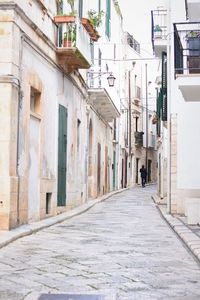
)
(136, 124)
(35, 102)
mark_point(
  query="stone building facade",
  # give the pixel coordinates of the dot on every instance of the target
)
(61, 128)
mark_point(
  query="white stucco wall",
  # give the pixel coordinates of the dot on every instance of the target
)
(188, 121)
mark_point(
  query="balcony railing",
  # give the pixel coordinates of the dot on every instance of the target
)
(73, 44)
(136, 94)
(133, 43)
(139, 138)
(158, 25)
(151, 141)
(187, 48)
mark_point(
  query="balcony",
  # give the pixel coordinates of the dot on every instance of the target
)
(132, 42)
(136, 95)
(103, 98)
(159, 31)
(73, 44)
(151, 141)
(187, 59)
(139, 138)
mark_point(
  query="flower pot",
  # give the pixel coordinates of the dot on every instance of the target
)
(90, 29)
(194, 46)
(64, 19)
(67, 43)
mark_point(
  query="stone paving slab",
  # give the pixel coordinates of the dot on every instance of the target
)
(121, 245)
(188, 236)
(7, 237)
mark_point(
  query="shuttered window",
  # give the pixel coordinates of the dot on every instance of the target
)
(164, 86)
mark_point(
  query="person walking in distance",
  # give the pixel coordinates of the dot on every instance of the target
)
(143, 173)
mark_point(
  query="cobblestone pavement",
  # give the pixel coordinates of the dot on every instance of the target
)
(121, 245)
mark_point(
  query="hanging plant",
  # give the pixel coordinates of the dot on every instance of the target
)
(95, 17)
(154, 118)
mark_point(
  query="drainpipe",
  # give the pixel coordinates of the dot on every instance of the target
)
(169, 61)
(129, 110)
(18, 125)
(147, 120)
(17, 164)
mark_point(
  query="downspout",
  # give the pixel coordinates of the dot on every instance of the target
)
(169, 111)
(18, 128)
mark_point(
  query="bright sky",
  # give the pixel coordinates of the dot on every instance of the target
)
(137, 20)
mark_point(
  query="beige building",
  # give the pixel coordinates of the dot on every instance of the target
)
(57, 135)
(64, 136)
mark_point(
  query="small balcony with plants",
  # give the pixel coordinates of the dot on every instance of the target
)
(75, 35)
(159, 31)
(73, 45)
(187, 59)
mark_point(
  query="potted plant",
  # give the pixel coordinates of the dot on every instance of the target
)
(95, 17)
(69, 38)
(193, 45)
(91, 23)
(193, 41)
(154, 118)
(157, 31)
(65, 18)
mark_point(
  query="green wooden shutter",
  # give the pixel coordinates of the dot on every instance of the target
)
(60, 7)
(164, 86)
(114, 169)
(62, 156)
(159, 111)
(80, 9)
(108, 15)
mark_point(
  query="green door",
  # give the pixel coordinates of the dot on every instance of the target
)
(114, 169)
(62, 155)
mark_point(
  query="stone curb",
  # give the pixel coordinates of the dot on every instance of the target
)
(7, 237)
(191, 240)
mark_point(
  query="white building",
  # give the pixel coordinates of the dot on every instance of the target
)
(181, 45)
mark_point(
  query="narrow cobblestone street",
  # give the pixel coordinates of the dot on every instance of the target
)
(121, 245)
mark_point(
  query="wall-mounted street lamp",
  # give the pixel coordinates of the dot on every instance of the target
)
(111, 78)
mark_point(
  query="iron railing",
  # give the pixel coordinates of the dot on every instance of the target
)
(158, 25)
(136, 92)
(133, 43)
(139, 138)
(187, 48)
